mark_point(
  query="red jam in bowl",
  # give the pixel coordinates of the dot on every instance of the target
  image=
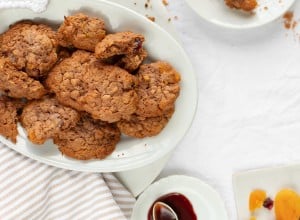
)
(179, 203)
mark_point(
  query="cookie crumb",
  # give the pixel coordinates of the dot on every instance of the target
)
(165, 2)
(289, 22)
(266, 8)
(169, 19)
(151, 18)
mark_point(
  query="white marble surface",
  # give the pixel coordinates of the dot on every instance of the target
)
(249, 100)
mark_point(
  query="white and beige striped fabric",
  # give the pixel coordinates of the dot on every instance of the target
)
(31, 190)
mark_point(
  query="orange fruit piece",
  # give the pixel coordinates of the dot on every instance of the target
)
(256, 199)
(287, 205)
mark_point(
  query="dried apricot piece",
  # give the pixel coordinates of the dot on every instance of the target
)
(287, 205)
(256, 199)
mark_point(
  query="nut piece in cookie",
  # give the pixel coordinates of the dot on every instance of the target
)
(44, 119)
(81, 31)
(246, 5)
(90, 139)
(141, 127)
(128, 44)
(158, 89)
(30, 47)
(18, 84)
(9, 117)
(84, 83)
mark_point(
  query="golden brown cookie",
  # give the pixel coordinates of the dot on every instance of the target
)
(246, 5)
(141, 127)
(81, 31)
(158, 89)
(9, 117)
(65, 79)
(90, 139)
(18, 84)
(128, 45)
(84, 83)
(30, 47)
(44, 119)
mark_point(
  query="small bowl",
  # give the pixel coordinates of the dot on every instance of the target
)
(206, 201)
(217, 12)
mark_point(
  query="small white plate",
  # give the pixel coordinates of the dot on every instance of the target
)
(206, 201)
(130, 153)
(218, 13)
(270, 180)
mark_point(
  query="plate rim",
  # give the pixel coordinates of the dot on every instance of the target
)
(138, 162)
(154, 187)
(192, 5)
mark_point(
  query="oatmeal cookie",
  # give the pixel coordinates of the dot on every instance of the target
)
(81, 31)
(158, 89)
(44, 119)
(9, 117)
(128, 45)
(90, 139)
(120, 43)
(246, 5)
(65, 79)
(84, 83)
(18, 84)
(30, 47)
(141, 127)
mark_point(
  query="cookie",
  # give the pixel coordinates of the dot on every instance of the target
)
(30, 47)
(9, 118)
(128, 44)
(158, 89)
(81, 31)
(90, 139)
(84, 83)
(141, 127)
(246, 5)
(65, 79)
(44, 119)
(18, 84)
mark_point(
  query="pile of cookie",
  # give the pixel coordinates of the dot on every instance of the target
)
(82, 87)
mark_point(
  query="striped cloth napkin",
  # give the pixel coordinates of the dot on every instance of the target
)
(31, 190)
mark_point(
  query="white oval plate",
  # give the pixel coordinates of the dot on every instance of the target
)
(130, 153)
(206, 201)
(218, 13)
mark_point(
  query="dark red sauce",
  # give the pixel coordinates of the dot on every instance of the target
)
(179, 203)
